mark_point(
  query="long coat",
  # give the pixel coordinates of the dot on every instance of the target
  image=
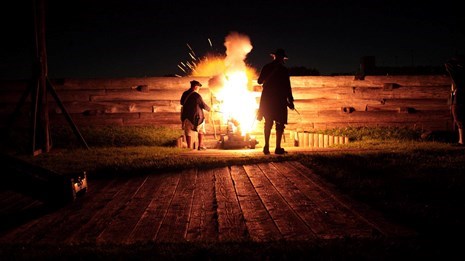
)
(193, 106)
(277, 92)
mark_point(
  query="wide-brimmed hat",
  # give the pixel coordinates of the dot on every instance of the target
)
(195, 83)
(280, 52)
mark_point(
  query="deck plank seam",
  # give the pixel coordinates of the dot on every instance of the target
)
(284, 199)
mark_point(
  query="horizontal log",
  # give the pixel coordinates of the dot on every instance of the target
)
(160, 118)
(368, 116)
(415, 102)
(333, 93)
(331, 104)
(411, 107)
(410, 92)
(86, 121)
(370, 104)
(118, 106)
(151, 121)
(67, 95)
(81, 117)
(77, 95)
(405, 80)
(152, 95)
(321, 81)
(130, 95)
(369, 81)
(132, 83)
(344, 93)
(151, 124)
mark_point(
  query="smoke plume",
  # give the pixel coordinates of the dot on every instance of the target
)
(237, 47)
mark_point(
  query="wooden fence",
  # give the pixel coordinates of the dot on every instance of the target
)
(322, 102)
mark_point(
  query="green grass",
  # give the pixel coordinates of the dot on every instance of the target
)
(117, 150)
(375, 133)
(109, 136)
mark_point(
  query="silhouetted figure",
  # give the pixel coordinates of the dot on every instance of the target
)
(192, 116)
(276, 97)
(454, 67)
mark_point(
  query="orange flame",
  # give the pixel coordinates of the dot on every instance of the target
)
(231, 81)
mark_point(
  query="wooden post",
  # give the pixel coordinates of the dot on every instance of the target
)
(306, 134)
(301, 139)
(294, 138)
(291, 135)
(41, 106)
(330, 140)
(346, 140)
(320, 140)
(325, 140)
(315, 140)
(310, 140)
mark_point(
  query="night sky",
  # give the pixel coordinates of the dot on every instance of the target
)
(137, 38)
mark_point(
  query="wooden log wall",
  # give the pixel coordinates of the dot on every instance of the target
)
(410, 101)
(323, 102)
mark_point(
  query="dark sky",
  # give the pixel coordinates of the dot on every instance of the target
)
(137, 38)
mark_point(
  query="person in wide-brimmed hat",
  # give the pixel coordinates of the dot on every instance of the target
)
(192, 116)
(276, 97)
(279, 53)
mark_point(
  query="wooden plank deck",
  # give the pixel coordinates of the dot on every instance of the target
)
(259, 203)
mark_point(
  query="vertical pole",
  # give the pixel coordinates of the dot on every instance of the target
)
(35, 86)
(39, 12)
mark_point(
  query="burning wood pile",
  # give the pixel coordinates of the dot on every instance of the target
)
(233, 139)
